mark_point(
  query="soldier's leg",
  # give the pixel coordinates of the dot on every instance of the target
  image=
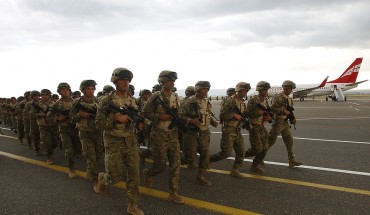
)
(227, 141)
(46, 138)
(190, 148)
(174, 163)
(160, 142)
(132, 160)
(274, 133)
(20, 129)
(65, 136)
(27, 132)
(88, 142)
(288, 141)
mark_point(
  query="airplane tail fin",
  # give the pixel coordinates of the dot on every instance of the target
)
(350, 74)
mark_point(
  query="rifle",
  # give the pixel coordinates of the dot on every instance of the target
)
(132, 113)
(291, 116)
(91, 111)
(173, 112)
(244, 124)
(267, 110)
(39, 109)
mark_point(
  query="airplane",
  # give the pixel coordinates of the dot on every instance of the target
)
(331, 89)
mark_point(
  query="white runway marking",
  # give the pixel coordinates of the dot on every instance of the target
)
(334, 118)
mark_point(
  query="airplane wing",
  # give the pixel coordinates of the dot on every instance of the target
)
(356, 83)
(305, 92)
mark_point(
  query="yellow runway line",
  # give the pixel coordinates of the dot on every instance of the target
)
(301, 183)
(143, 190)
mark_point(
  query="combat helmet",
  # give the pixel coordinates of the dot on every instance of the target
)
(156, 87)
(121, 73)
(167, 75)
(35, 93)
(55, 96)
(20, 98)
(263, 85)
(190, 89)
(63, 85)
(230, 90)
(107, 89)
(87, 83)
(145, 92)
(27, 93)
(45, 92)
(243, 86)
(289, 83)
(202, 85)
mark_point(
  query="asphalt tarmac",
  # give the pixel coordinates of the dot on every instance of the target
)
(332, 140)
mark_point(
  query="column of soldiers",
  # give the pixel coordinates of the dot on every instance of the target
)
(100, 127)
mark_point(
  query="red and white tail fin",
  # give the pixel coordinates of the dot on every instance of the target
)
(350, 74)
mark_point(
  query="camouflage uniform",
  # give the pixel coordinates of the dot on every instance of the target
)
(68, 131)
(26, 121)
(231, 133)
(18, 115)
(91, 149)
(258, 134)
(48, 129)
(34, 128)
(197, 139)
(165, 142)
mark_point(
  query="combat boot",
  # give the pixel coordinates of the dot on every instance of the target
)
(72, 173)
(49, 161)
(235, 173)
(134, 209)
(148, 181)
(209, 166)
(293, 163)
(256, 169)
(176, 198)
(101, 187)
(201, 180)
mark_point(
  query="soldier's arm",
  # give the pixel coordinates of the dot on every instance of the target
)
(227, 110)
(252, 108)
(149, 110)
(277, 106)
(74, 113)
(103, 120)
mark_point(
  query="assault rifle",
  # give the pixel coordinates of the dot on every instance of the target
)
(267, 110)
(173, 112)
(91, 111)
(39, 109)
(291, 116)
(132, 113)
(244, 124)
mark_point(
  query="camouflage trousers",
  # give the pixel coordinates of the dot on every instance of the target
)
(231, 139)
(258, 136)
(35, 136)
(194, 142)
(282, 127)
(26, 123)
(49, 137)
(165, 144)
(70, 140)
(92, 151)
(122, 154)
(20, 128)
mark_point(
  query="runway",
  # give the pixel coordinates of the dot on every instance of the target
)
(332, 140)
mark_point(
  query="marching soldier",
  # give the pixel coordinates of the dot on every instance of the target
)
(164, 135)
(34, 128)
(121, 148)
(281, 107)
(83, 114)
(48, 129)
(19, 118)
(258, 134)
(59, 112)
(231, 115)
(196, 111)
(26, 117)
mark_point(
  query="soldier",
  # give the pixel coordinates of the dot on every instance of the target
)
(54, 97)
(12, 104)
(144, 135)
(76, 94)
(163, 137)
(48, 129)
(121, 148)
(196, 111)
(280, 107)
(26, 118)
(83, 113)
(229, 92)
(34, 128)
(59, 112)
(189, 91)
(258, 133)
(156, 88)
(107, 89)
(231, 114)
(19, 118)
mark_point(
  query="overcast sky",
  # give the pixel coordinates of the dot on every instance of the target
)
(45, 42)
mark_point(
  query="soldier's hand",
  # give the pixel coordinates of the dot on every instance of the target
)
(261, 112)
(61, 118)
(84, 114)
(121, 118)
(41, 114)
(140, 126)
(215, 123)
(267, 117)
(238, 117)
(293, 121)
(164, 117)
(286, 112)
(195, 122)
